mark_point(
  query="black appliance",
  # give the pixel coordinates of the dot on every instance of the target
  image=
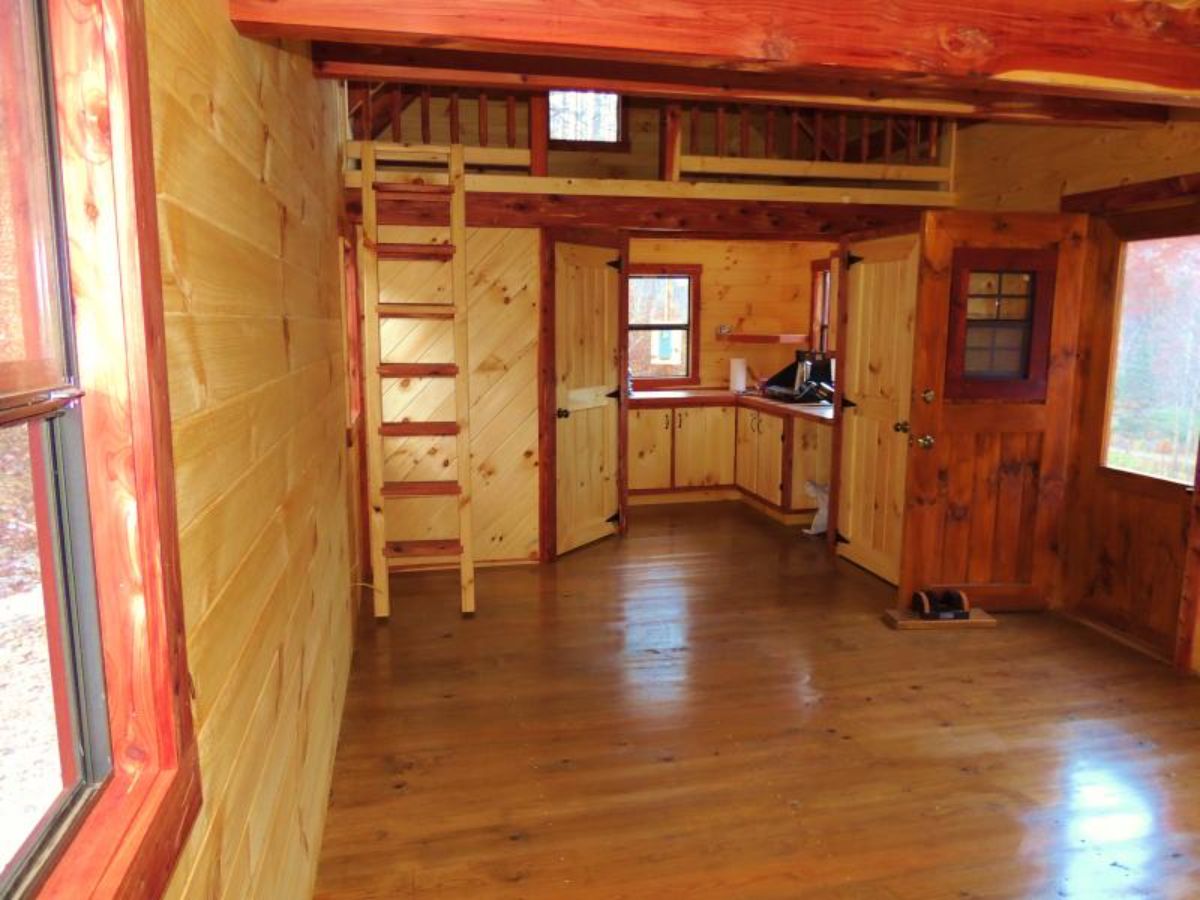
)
(808, 379)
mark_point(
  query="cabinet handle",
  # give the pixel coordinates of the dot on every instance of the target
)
(667, 420)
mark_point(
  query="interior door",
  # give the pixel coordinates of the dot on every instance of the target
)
(586, 296)
(987, 477)
(876, 369)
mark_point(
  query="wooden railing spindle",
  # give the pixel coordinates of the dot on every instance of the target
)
(510, 120)
(818, 134)
(865, 139)
(794, 134)
(910, 149)
(721, 148)
(455, 124)
(483, 119)
(887, 139)
(841, 154)
(426, 122)
(934, 127)
(397, 113)
(769, 135)
(744, 131)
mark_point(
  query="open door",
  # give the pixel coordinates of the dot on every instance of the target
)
(875, 366)
(587, 381)
(996, 333)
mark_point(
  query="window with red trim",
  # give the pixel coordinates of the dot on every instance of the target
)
(1001, 303)
(664, 317)
(99, 779)
(822, 303)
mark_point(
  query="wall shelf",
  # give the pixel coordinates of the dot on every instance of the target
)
(750, 338)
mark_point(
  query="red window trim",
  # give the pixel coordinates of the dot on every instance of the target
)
(693, 273)
(129, 839)
(1044, 263)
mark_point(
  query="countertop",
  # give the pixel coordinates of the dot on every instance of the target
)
(717, 397)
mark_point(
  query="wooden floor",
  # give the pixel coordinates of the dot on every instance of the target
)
(710, 708)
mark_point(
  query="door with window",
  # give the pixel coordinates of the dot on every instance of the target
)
(996, 329)
(586, 298)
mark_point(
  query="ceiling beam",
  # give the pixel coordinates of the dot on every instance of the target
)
(1099, 49)
(509, 72)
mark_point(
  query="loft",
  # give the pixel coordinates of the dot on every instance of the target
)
(539, 450)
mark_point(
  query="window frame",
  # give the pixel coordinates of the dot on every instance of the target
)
(693, 273)
(1043, 263)
(822, 290)
(1155, 485)
(127, 841)
(623, 143)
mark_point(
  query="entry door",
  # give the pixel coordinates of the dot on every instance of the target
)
(586, 295)
(876, 368)
(987, 475)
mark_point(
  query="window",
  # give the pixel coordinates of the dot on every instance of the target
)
(99, 780)
(1000, 310)
(54, 748)
(1154, 406)
(822, 304)
(587, 120)
(664, 304)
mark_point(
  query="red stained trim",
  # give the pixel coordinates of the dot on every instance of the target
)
(539, 134)
(547, 433)
(623, 388)
(1044, 264)
(694, 274)
(1189, 605)
(841, 310)
(128, 842)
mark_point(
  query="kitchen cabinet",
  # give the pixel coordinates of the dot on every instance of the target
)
(704, 446)
(650, 446)
(746, 461)
(812, 460)
(759, 463)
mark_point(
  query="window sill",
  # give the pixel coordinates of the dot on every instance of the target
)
(664, 384)
(1146, 485)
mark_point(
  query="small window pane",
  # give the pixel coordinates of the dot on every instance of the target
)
(31, 351)
(32, 775)
(1014, 308)
(1016, 284)
(981, 307)
(995, 351)
(984, 283)
(1154, 418)
(659, 300)
(658, 353)
(585, 116)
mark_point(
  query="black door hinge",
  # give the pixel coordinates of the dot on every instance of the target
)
(851, 259)
(614, 395)
(615, 264)
(847, 403)
(841, 538)
(614, 519)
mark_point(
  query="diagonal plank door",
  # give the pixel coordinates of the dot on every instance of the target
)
(586, 295)
(877, 372)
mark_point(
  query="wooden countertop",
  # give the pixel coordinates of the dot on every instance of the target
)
(717, 397)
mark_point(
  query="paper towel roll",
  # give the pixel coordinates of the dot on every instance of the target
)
(737, 375)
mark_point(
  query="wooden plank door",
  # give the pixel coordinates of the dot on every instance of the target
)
(876, 370)
(649, 442)
(586, 296)
(769, 455)
(987, 478)
(746, 451)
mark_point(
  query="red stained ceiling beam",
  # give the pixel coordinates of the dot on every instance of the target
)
(1110, 49)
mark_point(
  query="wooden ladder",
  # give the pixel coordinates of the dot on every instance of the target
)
(376, 370)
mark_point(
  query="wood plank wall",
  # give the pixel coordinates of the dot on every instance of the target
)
(753, 286)
(246, 151)
(503, 288)
(1030, 167)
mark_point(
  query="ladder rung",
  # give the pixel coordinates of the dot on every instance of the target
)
(416, 311)
(434, 252)
(429, 193)
(418, 429)
(421, 488)
(422, 548)
(418, 370)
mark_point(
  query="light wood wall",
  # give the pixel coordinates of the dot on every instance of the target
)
(503, 289)
(246, 154)
(1030, 167)
(752, 286)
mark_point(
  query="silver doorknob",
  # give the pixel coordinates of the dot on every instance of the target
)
(900, 428)
(925, 442)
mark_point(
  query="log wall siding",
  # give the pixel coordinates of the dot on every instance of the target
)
(753, 286)
(245, 144)
(503, 289)
(1030, 167)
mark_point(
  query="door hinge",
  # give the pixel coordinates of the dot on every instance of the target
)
(847, 403)
(841, 538)
(614, 395)
(614, 519)
(615, 263)
(852, 259)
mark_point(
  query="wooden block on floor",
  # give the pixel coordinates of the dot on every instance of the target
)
(907, 620)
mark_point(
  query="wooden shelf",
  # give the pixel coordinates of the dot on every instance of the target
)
(747, 338)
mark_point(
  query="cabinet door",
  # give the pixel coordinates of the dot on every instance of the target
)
(649, 443)
(704, 446)
(769, 479)
(746, 456)
(812, 457)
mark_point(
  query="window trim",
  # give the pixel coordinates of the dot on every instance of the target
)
(693, 273)
(623, 143)
(129, 839)
(1043, 262)
(821, 284)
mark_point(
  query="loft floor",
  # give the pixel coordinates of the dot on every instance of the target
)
(710, 708)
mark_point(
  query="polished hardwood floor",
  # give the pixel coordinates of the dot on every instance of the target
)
(710, 708)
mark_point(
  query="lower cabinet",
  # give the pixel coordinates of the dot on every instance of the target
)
(812, 460)
(768, 483)
(704, 448)
(649, 449)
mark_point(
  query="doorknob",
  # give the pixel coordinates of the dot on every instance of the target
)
(563, 413)
(925, 442)
(900, 428)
